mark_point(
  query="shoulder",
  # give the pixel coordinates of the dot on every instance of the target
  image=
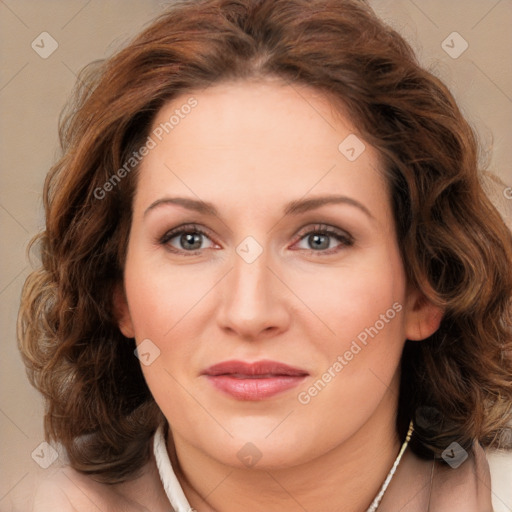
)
(459, 483)
(479, 482)
(65, 490)
(500, 463)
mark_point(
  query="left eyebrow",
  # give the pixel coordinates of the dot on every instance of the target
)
(303, 205)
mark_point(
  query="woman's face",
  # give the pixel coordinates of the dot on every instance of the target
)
(323, 315)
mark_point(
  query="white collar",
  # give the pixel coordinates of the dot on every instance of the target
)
(171, 484)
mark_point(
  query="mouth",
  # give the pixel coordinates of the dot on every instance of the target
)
(254, 381)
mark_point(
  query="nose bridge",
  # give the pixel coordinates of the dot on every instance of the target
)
(252, 301)
(250, 260)
(249, 279)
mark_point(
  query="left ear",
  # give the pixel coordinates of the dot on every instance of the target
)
(422, 318)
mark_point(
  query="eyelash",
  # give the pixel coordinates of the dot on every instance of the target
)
(319, 229)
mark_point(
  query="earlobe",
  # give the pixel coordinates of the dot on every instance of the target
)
(422, 317)
(122, 313)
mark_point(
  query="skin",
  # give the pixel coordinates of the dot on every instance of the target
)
(250, 148)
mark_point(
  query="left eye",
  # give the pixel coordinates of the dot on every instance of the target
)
(319, 240)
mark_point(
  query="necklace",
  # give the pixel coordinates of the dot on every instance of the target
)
(375, 503)
(179, 502)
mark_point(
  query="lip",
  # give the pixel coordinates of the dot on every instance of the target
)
(254, 381)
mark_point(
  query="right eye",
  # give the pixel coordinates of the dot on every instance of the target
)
(189, 239)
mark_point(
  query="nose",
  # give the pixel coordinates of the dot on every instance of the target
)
(254, 299)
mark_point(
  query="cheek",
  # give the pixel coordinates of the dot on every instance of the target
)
(169, 306)
(365, 311)
(161, 296)
(363, 306)
(349, 300)
(161, 301)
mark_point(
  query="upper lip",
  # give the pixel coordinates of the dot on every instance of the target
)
(256, 368)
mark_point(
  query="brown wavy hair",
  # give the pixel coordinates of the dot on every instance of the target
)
(456, 385)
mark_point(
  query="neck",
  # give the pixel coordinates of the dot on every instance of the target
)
(346, 478)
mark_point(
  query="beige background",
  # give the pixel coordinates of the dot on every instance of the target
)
(33, 91)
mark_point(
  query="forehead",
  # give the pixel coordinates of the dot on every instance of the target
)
(268, 114)
(260, 141)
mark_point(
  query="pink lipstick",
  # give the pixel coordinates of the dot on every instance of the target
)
(254, 381)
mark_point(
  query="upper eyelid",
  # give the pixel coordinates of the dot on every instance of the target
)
(321, 227)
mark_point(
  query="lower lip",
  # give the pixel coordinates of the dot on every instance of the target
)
(255, 389)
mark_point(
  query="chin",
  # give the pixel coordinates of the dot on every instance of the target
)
(263, 444)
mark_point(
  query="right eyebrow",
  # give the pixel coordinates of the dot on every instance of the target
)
(191, 204)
